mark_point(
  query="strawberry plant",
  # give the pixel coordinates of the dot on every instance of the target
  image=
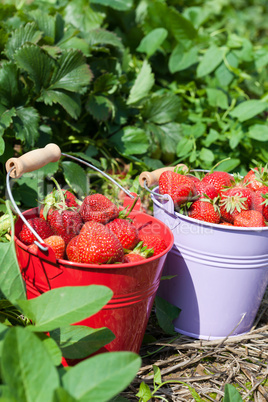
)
(39, 375)
(121, 83)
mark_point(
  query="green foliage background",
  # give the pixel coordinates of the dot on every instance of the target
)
(146, 82)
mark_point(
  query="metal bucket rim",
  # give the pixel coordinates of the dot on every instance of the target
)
(76, 265)
(204, 223)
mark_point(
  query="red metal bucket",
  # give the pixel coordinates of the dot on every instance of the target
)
(134, 285)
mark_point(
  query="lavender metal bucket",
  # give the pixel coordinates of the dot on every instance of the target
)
(221, 273)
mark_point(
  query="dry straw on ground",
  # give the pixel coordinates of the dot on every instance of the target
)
(207, 366)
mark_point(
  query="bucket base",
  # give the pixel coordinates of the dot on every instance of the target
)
(206, 337)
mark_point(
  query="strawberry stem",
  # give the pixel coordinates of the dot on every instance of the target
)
(125, 212)
(218, 163)
(60, 192)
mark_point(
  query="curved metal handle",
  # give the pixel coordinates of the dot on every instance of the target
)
(36, 159)
(33, 160)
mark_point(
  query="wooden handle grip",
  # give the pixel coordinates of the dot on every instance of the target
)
(152, 178)
(33, 160)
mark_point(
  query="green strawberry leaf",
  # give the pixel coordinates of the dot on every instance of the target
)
(24, 34)
(77, 341)
(110, 374)
(152, 41)
(64, 306)
(248, 109)
(122, 5)
(72, 73)
(19, 368)
(142, 85)
(38, 64)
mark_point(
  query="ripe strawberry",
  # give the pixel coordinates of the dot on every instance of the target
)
(223, 223)
(256, 178)
(70, 199)
(96, 244)
(233, 201)
(260, 201)
(205, 209)
(133, 257)
(180, 187)
(97, 207)
(125, 231)
(55, 242)
(249, 218)
(206, 189)
(219, 180)
(65, 223)
(71, 250)
(58, 198)
(42, 228)
(245, 192)
(155, 242)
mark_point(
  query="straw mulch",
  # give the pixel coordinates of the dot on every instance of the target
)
(206, 366)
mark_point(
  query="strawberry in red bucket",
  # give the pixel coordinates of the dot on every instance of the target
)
(99, 208)
(96, 244)
(55, 242)
(125, 231)
(41, 227)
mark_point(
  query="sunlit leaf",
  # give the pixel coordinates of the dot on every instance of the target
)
(211, 59)
(181, 59)
(82, 16)
(181, 27)
(152, 41)
(45, 22)
(110, 373)
(258, 132)
(248, 109)
(37, 63)
(12, 285)
(76, 177)
(72, 73)
(27, 379)
(142, 84)
(231, 394)
(64, 306)
(96, 37)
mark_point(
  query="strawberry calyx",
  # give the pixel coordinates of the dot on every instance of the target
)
(212, 201)
(55, 200)
(234, 202)
(144, 251)
(182, 169)
(126, 211)
(261, 174)
(265, 199)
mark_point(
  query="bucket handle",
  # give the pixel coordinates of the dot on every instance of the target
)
(36, 159)
(150, 179)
